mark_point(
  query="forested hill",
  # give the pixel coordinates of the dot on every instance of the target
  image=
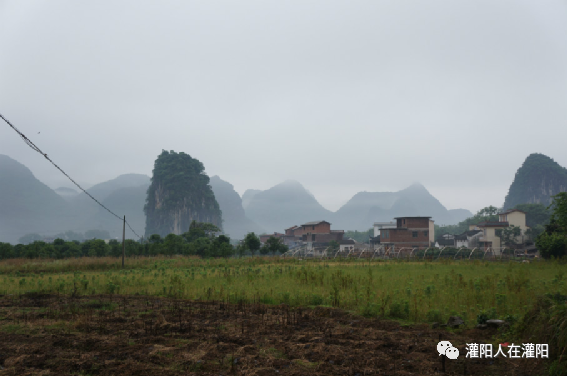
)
(27, 204)
(125, 195)
(365, 208)
(179, 193)
(235, 223)
(539, 178)
(285, 205)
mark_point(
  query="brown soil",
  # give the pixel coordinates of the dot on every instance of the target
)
(119, 335)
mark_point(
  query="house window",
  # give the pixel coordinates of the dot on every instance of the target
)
(404, 221)
(313, 237)
(424, 233)
(313, 228)
(386, 233)
(414, 234)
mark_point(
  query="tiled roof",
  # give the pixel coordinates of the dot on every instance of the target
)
(472, 232)
(411, 217)
(493, 224)
(314, 223)
(510, 211)
(446, 242)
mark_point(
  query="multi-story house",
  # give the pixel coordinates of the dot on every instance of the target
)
(410, 232)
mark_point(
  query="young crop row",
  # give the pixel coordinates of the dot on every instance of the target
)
(417, 292)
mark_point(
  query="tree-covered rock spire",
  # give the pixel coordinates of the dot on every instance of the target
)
(178, 194)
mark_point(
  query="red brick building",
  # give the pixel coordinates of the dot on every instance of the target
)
(318, 233)
(336, 235)
(264, 238)
(410, 232)
(290, 231)
(316, 227)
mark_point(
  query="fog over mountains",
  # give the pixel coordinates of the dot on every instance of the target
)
(285, 205)
(235, 221)
(29, 206)
(295, 205)
(26, 204)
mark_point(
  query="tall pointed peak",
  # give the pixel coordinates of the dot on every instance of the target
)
(415, 187)
(290, 183)
(536, 181)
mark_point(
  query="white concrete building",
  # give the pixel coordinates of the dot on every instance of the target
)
(382, 225)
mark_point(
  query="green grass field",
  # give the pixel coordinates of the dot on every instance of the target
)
(409, 291)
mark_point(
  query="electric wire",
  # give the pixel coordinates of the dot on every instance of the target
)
(37, 149)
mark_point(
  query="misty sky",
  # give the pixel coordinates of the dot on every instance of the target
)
(343, 96)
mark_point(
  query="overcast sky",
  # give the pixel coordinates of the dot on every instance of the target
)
(343, 96)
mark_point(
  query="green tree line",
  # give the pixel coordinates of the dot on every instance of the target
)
(552, 242)
(202, 240)
(537, 216)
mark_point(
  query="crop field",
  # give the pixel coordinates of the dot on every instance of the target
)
(258, 316)
(411, 291)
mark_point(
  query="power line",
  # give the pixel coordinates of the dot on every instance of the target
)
(35, 148)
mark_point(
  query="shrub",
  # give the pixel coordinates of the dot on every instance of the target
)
(399, 310)
(266, 299)
(434, 315)
(371, 310)
(316, 300)
(486, 315)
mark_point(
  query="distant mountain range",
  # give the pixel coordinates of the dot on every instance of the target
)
(536, 181)
(365, 208)
(29, 206)
(295, 205)
(283, 206)
(235, 222)
(124, 195)
(247, 196)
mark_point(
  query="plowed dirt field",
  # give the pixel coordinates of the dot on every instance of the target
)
(126, 335)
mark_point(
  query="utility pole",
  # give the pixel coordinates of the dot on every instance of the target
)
(123, 240)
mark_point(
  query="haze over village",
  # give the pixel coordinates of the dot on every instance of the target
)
(348, 114)
(294, 187)
(343, 99)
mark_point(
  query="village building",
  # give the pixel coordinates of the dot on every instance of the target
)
(320, 232)
(315, 234)
(410, 232)
(290, 231)
(264, 238)
(378, 227)
(346, 245)
(292, 236)
(489, 239)
(445, 240)
(316, 227)
(468, 239)
(512, 217)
